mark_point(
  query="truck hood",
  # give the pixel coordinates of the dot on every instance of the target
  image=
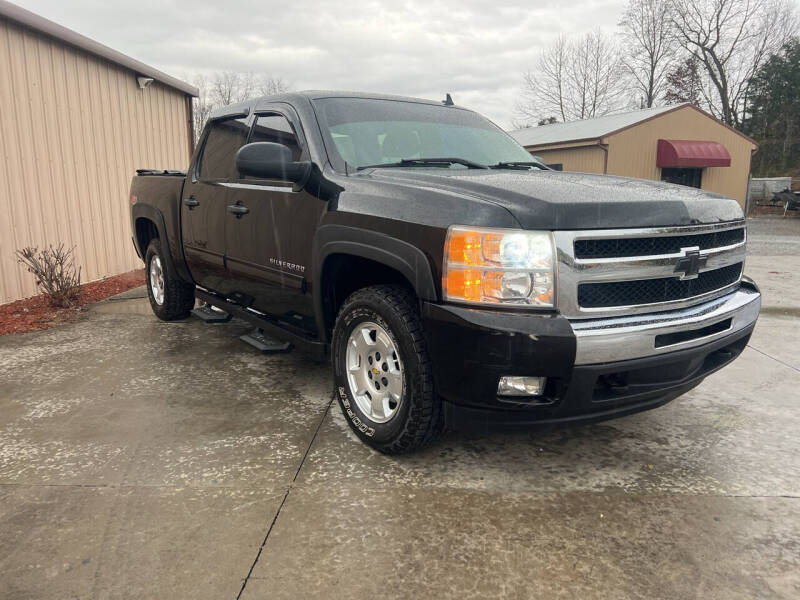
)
(558, 200)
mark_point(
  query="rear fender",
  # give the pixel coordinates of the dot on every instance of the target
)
(169, 245)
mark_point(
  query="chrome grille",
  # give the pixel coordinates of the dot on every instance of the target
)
(649, 246)
(598, 276)
(651, 291)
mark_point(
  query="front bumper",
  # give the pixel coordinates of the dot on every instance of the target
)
(638, 336)
(596, 369)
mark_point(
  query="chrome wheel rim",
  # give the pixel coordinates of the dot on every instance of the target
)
(374, 372)
(157, 280)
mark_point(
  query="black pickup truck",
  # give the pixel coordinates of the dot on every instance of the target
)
(452, 279)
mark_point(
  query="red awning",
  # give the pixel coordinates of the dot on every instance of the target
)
(692, 153)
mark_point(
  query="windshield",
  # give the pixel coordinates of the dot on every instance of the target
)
(362, 132)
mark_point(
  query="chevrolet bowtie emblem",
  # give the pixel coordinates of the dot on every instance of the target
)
(690, 263)
(375, 371)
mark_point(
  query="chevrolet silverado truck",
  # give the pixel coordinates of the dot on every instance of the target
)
(451, 278)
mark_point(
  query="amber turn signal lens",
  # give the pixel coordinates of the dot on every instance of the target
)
(465, 247)
(464, 283)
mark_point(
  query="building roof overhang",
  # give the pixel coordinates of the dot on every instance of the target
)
(68, 36)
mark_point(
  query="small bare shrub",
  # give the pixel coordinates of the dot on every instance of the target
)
(55, 272)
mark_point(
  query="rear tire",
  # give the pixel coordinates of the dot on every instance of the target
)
(170, 298)
(382, 370)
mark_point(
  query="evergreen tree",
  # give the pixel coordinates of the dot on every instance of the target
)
(774, 120)
(684, 83)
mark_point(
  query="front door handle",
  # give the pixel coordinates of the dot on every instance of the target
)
(191, 202)
(238, 210)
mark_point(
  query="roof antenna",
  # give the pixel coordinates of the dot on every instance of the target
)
(448, 101)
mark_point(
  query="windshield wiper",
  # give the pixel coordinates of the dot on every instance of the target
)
(521, 165)
(432, 162)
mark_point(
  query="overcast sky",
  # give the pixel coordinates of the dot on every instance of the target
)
(475, 50)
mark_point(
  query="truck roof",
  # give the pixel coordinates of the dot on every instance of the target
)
(242, 107)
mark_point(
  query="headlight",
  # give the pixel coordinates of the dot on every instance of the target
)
(499, 266)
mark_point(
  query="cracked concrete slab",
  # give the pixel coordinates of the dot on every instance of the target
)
(406, 542)
(695, 499)
(69, 541)
(140, 459)
(770, 337)
(712, 440)
(123, 399)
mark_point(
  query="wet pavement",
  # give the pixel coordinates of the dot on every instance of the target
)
(141, 459)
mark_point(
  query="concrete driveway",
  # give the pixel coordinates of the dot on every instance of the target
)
(141, 459)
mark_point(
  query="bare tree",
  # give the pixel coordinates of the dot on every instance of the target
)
(575, 79)
(269, 86)
(596, 76)
(546, 91)
(203, 105)
(649, 47)
(732, 39)
(230, 87)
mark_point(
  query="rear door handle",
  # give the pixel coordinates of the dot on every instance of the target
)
(191, 202)
(238, 210)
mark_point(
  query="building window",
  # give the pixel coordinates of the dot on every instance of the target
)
(690, 177)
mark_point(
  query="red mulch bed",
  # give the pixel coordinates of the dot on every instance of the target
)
(35, 313)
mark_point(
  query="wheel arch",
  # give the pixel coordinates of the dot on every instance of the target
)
(349, 258)
(148, 224)
(145, 230)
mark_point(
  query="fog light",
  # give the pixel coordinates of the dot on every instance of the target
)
(521, 386)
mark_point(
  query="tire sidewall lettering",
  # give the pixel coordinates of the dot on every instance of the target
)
(360, 425)
(352, 318)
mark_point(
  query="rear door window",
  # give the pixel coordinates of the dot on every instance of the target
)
(218, 161)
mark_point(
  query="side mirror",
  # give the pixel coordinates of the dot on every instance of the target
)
(269, 160)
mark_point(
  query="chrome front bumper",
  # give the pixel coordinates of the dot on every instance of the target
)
(622, 338)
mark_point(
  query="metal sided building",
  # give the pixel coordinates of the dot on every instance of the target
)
(77, 119)
(680, 144)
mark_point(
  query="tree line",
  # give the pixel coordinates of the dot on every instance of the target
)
(737, 59)
(773, 117)
(708, 52)
(229, 87)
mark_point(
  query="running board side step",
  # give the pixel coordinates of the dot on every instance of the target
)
(262, 343)
(269, 329)
(208, 314)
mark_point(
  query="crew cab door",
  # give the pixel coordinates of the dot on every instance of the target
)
(206, 195)
(268, 238)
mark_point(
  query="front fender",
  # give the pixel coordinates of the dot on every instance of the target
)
(397, 254)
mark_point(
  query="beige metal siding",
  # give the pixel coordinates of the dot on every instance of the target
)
(73, 128)
(632, 152)
(588, 159)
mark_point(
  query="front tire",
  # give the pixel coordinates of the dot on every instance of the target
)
(170, 298)
(382, 370)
